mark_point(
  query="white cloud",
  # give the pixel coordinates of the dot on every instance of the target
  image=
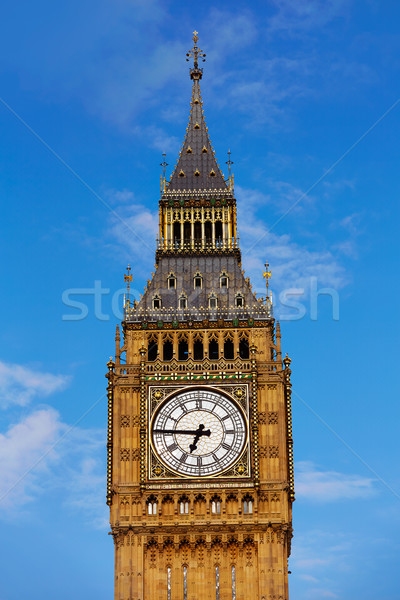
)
(19, 384)
(295, 17)
(330, 486)
(42, 453)
(25, 454)
(293, 264)
(135, 231)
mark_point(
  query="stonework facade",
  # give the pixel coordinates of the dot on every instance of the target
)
(199, 449)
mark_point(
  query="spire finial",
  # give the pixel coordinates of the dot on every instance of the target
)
(267, 275)
(229, 162)
(127, 278)
(196, 73)
(163, 165)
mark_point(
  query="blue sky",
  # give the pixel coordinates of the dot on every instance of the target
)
(304, 95)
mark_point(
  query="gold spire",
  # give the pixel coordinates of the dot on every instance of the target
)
(196, 73)
(127, 278)
(163, 165)
(267, 276)
(229, 162)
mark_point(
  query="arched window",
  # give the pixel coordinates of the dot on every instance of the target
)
(248, 503)
(218, 232)
(183, 505)
(168, 350)
(229, 348)
(244, 347)
(239, 301)
(223, 280)
(197, 231)
(152, 505)
(177, 233)
(187, 232)
(208, 232)
(171, 281)
(183, 348)
(216, 505)
(156, 302)
(182, 301)
(152, 348)
(213, 353)
(212, 301)
(198, 350)
(198, 281)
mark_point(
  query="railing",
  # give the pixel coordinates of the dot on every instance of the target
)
(198, 245)
(174, 366)
(256, 311)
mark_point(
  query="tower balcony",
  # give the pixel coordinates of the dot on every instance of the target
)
(198, 246)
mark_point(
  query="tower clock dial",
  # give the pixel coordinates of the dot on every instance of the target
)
(199, 432)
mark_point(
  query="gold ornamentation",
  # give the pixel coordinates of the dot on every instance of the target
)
(124, 454)
(274, 452)
(272, 418)
(125, 420)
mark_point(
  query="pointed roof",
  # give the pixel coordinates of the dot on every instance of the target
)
(197, 167)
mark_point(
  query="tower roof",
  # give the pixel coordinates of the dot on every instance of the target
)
(197, 167)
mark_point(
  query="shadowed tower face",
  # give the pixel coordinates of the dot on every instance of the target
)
(199, 452)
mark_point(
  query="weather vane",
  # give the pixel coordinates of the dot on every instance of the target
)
(127, 278)
(267, 276)
(196, 53)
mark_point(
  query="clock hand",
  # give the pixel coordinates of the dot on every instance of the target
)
(197, 436)
(181, 431)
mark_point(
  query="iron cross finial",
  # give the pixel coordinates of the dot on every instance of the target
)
(127, 278)
(196, 53)
(164, 164)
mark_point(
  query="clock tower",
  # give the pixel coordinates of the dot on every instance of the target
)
(199, 448)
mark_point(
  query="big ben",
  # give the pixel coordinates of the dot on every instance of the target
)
(199, 448)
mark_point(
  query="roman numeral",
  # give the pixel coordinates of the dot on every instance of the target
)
(199, 462)
(225, 446)
(172, 447)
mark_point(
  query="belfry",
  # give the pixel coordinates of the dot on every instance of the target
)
(199, 448)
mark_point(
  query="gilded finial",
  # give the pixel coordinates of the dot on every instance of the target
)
(163, 165)
(267, 276)
(127, 278)
(196, 73)
(229, 163)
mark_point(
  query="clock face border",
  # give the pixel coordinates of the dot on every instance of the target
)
(167, 393)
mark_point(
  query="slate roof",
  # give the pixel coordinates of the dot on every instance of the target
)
(197, 154)
(185, 268)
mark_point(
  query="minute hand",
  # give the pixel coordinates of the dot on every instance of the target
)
(183, 431)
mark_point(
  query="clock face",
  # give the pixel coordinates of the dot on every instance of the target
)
(199, 432)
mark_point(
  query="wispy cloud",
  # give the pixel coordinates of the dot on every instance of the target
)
(20, 384)
(292, 262)
(21, 447)
(298, 17)
(33, 462)
(316, 485)
(136, 233)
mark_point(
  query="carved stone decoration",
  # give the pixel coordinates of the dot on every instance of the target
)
(262, 418)
(274, 452)
(135, 420)
(124, 454)
(125, 420)
(271, 386)
(272, 418)
(264, 452)
(136, 454)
